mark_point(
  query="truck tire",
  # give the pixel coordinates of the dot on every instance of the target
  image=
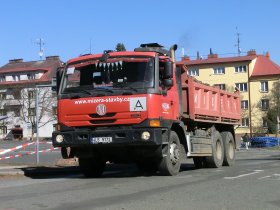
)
(229, 148)
(217, 158)
(171, 162)
(199, 162)
(91, 167)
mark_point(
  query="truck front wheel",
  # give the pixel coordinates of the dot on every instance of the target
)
(91, 167)
(171, 162)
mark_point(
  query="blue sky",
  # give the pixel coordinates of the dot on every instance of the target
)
(67, 26)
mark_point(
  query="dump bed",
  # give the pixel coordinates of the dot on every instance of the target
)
(201, 102)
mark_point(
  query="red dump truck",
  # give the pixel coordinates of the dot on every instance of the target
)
(139, 107)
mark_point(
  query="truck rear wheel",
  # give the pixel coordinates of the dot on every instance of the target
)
(217, 158)
(229, 148)
(91, 167)
(171, 162)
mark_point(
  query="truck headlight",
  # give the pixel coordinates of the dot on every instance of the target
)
(59, 138)
(146, 135)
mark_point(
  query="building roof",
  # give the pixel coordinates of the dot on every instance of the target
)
(217, 60)
(47, 67)
(265, 67)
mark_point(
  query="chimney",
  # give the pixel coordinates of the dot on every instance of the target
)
(252, 52)
(51, 58)
(212, 55)
(267, 55)
(18, 60)
(197, 55)
(186, 58)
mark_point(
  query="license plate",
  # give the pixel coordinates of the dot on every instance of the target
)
(96, 140)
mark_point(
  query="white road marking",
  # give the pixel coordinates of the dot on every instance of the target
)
(243, 175)
(265, 177)
(273, 177)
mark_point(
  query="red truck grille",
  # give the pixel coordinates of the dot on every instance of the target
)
(102, 121)
(106, 115)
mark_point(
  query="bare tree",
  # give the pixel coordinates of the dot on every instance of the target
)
(46, 106)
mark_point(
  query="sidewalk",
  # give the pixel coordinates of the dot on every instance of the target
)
(61, 167)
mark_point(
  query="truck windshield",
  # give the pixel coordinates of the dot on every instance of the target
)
(114, 73)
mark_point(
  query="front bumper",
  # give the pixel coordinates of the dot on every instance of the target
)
(120, 136)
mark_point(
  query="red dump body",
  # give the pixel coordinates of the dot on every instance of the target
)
(201, 102)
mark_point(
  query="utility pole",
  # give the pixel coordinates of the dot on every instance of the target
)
(41, 52)
(37, 150)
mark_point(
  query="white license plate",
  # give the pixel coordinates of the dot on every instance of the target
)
(97, 140)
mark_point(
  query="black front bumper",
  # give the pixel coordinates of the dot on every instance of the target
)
(121, 136)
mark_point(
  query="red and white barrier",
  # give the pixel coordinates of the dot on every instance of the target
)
(16, 148)
(28, 153)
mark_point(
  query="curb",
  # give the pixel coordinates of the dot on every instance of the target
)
(37, 170)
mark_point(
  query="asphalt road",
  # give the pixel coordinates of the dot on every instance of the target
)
(253, 183)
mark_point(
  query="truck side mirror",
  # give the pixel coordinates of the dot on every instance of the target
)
(59, 72)
(168, 83)
(167, 71)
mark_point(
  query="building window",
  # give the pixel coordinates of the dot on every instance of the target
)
(264, 104)
(30, 76)
(2, 79)
(245, 122)
(241, 86)
(264, 122)
(54, 110)
(17, 112)
(16, 77)
(3, 112)
(220, 70)
(193, 72)
(3, 129)
(264, 86)
(31, 94)
(220, 86)
(244, 104)
(17, 94)
(31, 112)
(240, 69)
(3, 95)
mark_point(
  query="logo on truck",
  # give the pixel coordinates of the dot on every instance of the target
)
(101, 109)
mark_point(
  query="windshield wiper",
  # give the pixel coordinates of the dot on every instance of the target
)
(123, 85)
(103, 89)
(80, 90)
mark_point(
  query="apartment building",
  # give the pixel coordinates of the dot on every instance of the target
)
(254, 75)
(18, 81)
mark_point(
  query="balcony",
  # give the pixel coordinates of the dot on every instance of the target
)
(13, 102)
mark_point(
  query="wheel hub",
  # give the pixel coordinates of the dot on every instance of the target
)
(174, 153)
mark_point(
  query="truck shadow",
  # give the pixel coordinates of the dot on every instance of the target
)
(111, 171)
